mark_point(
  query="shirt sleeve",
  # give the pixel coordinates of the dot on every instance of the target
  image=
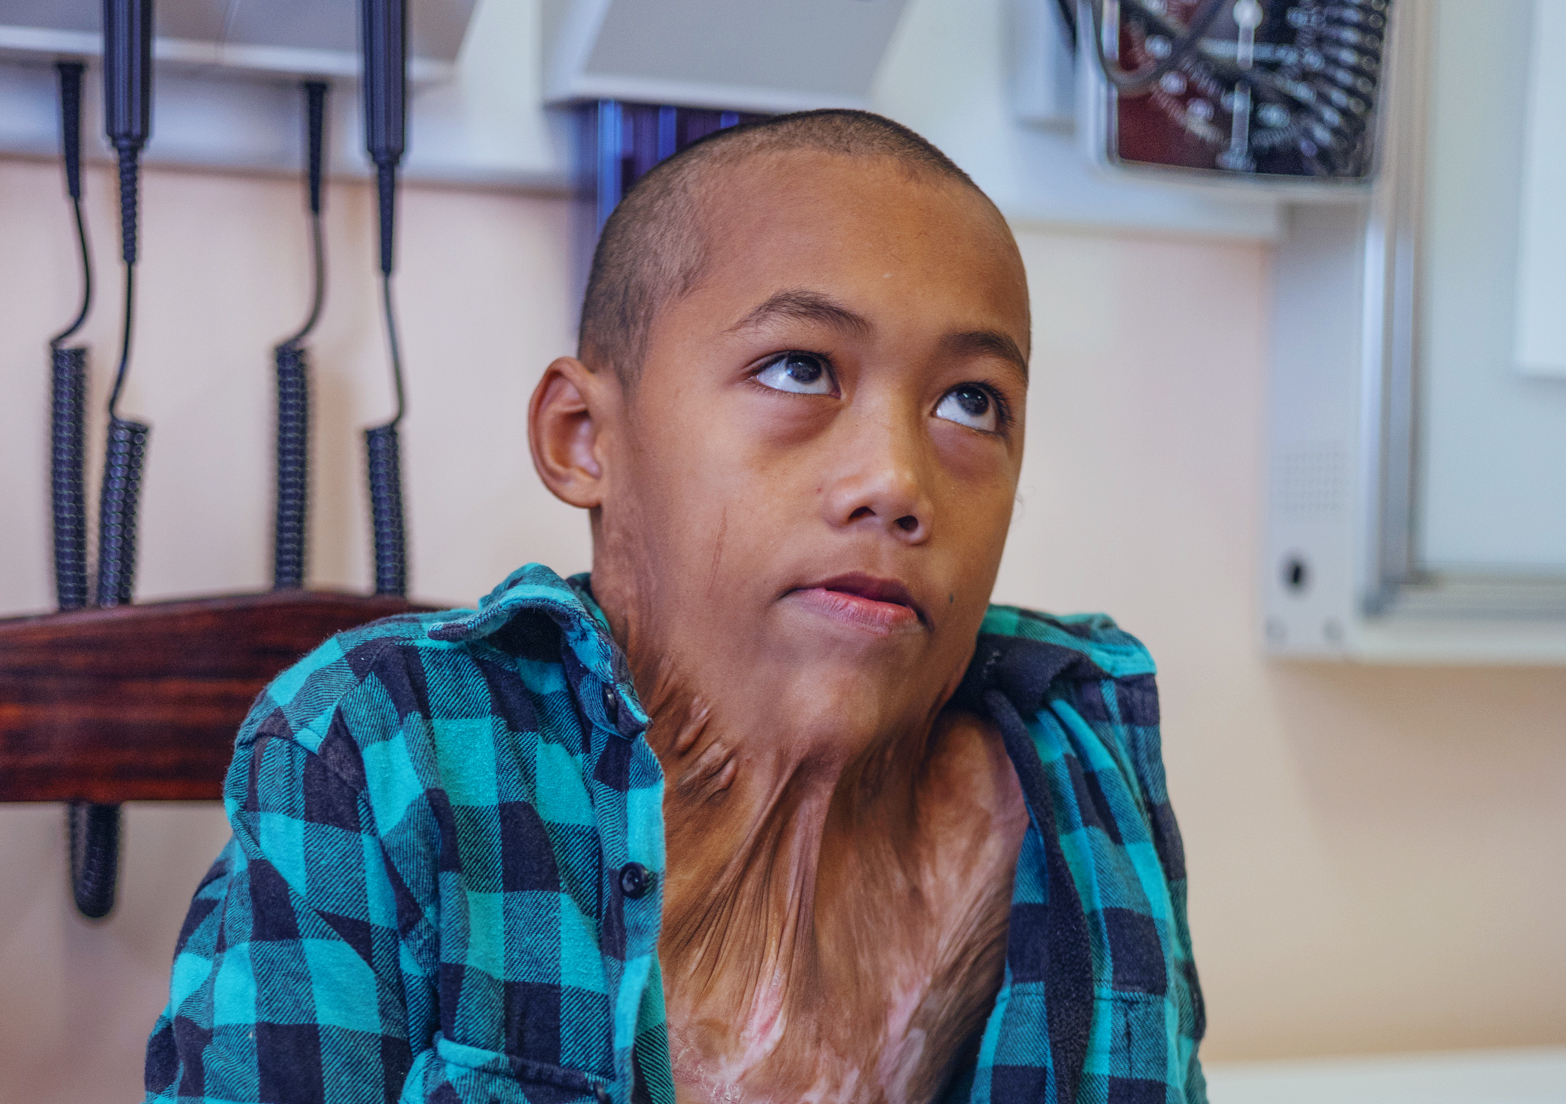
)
(298, 975)
(1140, 735)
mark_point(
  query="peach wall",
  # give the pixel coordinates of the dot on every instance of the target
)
(1377, 855)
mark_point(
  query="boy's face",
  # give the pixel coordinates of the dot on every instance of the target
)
(805, 495)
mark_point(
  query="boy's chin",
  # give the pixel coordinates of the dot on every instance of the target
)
(847, 676)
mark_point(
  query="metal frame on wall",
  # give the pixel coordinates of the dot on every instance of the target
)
(1395, 581)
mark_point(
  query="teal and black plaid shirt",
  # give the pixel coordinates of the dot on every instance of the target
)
(445, 881)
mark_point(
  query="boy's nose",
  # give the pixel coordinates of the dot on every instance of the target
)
(882, 482)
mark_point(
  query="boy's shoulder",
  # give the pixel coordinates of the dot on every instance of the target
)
(1084, 661)
(532, 638)
(1094, 638)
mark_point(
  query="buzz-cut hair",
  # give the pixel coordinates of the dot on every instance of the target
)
(654, 248)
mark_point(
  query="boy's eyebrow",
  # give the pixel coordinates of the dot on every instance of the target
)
(803, 306)
(987, 343)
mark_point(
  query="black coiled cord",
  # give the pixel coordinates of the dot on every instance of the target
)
(129, 174)
(122, 466)
(95, 856)
(293, 376)
(123, 459)
(68, 376)
(94, 829)
(67, 448)
(385, 466)
(293, 466)
(384, 456)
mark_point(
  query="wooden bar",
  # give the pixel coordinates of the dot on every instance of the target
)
(141, 702)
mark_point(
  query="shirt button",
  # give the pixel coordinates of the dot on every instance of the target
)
(634, 880)
(611, 704)
(601, 1094)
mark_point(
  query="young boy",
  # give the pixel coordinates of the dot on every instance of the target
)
(773, 806)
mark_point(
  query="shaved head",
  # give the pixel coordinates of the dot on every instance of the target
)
(655, 245)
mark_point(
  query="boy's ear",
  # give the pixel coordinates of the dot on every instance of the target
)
(565, 423)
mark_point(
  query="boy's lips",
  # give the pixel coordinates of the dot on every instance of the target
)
(880, 605)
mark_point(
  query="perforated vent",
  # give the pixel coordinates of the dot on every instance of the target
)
(1310, 481)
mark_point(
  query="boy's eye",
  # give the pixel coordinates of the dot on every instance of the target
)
(970, 405)
(800, 373)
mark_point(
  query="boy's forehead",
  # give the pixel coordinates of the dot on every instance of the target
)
(797, 217)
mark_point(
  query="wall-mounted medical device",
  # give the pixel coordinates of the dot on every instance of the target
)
(762, 56)
(300, 37)
(1265, 93)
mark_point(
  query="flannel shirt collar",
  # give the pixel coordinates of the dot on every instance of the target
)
(535, 588)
